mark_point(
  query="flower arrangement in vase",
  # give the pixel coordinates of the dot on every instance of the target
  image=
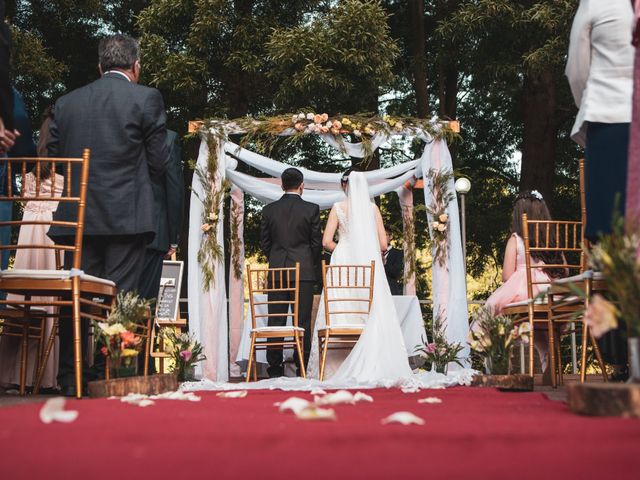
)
(491, 340)
(116, 337)
(440, 352)
(186, 352)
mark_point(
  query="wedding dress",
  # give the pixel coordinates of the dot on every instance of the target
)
(379, 358)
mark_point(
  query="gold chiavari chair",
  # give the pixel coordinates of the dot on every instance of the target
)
(265, 282)
(71, 289)
(350, 289)
(563, 299)
(560, 242)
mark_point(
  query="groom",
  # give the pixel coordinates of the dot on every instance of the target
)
(290, 233)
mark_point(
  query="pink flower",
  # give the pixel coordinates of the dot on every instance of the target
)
(601, 316)
(185, 355)
(431, 348)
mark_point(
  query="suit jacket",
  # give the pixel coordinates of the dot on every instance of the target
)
(169, 198)
(24, 146)
(124, 126)
(394, 268)
(290, 233)
(600, 63)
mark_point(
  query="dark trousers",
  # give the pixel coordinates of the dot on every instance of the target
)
(149, 288)
(305, 303)
(606, 157)
(116, 258)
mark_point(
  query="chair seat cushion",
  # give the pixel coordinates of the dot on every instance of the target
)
(345, 326)
(286, 328)
(15, 274)
(524, 303)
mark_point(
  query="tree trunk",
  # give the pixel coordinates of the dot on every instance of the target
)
(416, 14)
(539, 139)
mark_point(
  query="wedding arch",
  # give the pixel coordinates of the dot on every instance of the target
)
(216, 174)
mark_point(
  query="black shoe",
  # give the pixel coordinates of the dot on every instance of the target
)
(70, 390)
(274, 372)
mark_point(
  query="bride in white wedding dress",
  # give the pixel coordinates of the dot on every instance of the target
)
(380, 355)
(379, 358)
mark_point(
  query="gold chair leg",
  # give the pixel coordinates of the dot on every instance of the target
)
(583, 353)
(77, 346)
(531, 348)
(552, 353)
(147, 348)
(39, 350)
(24, 357)
(598, 353)
(251, 353)
(45, 357)
(323, 361)
(300, 356)
(558, 343)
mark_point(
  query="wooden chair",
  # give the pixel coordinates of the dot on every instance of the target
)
(350, 288)
(266, 281)
(72, 288)
(562, 298)
(558, 239)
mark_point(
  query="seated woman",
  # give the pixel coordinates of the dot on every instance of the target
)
(34, 259)
(514, 271)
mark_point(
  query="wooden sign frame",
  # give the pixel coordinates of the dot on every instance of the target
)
(166, 282)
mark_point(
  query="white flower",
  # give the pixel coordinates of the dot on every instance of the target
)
(536, 194)
(435, 225)
(110, 330)
(328, 124)
(294, 119)
(442, 227)
(310, 116)
(357, 133)
(301, 116)
(443, 218)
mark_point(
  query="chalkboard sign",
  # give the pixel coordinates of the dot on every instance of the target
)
(167, 307)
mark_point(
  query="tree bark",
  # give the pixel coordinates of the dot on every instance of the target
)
(539, 139)
(416, 19)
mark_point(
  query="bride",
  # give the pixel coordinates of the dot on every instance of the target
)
(379, 356)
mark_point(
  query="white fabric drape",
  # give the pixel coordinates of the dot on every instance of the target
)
(207, 308)
(449, 282)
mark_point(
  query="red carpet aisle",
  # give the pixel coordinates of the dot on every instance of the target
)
(474, 433)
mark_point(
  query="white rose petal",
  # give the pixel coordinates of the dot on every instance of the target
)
(293, 404)
(431, 400)
(53, 411)
(313, 413)
(362, 397)
(310, 116)
(237, 394)
(317, 391)
(403, 418)
(337, 398)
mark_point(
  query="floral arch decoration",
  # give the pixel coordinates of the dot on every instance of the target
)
(216, 173)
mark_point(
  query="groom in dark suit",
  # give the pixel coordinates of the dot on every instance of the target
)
(290, 233)
(123, 124)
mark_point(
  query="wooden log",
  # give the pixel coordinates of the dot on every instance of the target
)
(519, 382)
(120, 387)
(605, 399)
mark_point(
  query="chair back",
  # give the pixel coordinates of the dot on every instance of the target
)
(554, 245)
(67, 167)
(265, 281)
(348, 290)
(583, 214)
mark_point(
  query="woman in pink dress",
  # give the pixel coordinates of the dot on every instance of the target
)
(514, 271)
(33, 259)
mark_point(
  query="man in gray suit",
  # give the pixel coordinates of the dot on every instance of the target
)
(123, 124)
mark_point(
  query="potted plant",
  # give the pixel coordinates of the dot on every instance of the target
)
(116, 337)
(491, 339)
(440, 353)
(186, 352)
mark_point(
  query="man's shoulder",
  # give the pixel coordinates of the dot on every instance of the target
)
(311, 206)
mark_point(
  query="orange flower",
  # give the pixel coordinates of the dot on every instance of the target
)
(129, 339)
